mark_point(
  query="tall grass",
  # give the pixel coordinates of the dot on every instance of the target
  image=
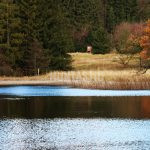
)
(127, 79)
(105, 79)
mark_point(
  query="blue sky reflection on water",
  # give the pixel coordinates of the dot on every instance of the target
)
(66, 91)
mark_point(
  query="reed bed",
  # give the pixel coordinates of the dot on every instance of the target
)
(105, 79)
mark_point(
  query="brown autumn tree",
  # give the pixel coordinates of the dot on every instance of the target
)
(126, 40)
(145, 42)
(145, 45)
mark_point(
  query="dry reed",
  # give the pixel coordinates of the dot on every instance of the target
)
(105, 79)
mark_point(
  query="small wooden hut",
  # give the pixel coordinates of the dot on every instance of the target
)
(89, 49)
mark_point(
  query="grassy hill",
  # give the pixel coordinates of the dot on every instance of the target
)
(85, 61)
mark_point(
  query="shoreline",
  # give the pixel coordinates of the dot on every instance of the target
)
(101, 85)
(100, 79)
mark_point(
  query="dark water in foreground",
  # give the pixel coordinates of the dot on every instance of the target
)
(40, 121)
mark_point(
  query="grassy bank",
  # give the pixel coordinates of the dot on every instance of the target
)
(90, 71)
(85, 61)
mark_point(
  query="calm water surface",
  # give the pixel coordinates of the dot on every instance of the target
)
(52, 118)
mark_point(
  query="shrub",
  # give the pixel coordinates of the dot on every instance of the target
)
(127, 36)
(126, 40)
(145, 42)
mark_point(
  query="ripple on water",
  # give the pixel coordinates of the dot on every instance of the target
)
(74, 134)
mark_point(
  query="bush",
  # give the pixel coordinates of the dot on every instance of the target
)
(145, 42)
(127, 36)
(126, 40)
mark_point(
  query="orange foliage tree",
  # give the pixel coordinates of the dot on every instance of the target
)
(126, 40)
(145, 42)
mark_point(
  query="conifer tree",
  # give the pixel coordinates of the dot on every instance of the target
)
(120, 11)
(110, 19)
(32, 47)
(10, 33)
(55, 35)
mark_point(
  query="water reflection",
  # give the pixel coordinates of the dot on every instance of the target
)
(73, 107)
(63, 134)
(66, 91)
(145, 106)
(74, 123)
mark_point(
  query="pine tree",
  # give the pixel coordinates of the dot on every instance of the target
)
(10, 33)
(32, 47)
(130, 10)
(55, 35)
(110, 19)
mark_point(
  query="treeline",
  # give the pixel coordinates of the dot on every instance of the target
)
(40, 33)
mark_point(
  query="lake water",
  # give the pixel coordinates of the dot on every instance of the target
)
(49, 117)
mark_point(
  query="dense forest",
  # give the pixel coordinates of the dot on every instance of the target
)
(40, 33)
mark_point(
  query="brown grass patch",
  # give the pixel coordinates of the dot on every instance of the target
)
(105, 79)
